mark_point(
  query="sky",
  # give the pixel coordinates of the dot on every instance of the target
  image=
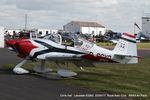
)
(117, 15)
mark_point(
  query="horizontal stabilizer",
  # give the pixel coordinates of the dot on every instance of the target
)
(121, 55)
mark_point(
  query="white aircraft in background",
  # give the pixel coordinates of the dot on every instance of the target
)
(81, 52)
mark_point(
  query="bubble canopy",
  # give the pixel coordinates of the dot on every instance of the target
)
(74, 40)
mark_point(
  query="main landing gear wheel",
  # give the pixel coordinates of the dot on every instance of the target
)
(63, 72)
(42, 69)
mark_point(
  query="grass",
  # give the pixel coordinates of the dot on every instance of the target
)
(117, 78)
(110, 78)
(139, 45)
(143, 45)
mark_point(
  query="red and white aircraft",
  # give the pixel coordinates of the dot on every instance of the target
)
(81, 52)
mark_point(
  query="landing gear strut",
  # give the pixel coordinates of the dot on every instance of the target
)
(19, 70)
(41, 69)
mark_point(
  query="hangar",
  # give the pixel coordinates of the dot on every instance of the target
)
(84, 27)
(146, 25)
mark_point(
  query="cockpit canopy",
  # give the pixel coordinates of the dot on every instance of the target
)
(70, 39)
(54, 37)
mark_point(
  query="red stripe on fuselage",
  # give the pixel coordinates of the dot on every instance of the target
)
(131, 36)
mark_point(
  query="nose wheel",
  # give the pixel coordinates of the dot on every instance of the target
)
(19, 70)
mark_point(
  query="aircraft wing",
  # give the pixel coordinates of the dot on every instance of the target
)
(85, 60)
(89, 57)
(77, 59)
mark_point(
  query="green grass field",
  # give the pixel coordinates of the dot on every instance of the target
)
(110, 78)
(139, 45)
(117, 78)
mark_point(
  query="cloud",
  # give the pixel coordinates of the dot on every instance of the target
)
(118, 15)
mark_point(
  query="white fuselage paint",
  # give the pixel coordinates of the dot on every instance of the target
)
(94, 50)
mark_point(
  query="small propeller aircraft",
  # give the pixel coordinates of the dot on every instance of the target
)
(81, 52)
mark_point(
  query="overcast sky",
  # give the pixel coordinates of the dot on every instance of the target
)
(117, 15)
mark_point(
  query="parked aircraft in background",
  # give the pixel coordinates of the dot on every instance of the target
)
(75, 49)
(140, 34)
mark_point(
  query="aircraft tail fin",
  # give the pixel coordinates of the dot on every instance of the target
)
(126, 47)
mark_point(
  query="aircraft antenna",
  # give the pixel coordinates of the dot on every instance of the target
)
(25, 21)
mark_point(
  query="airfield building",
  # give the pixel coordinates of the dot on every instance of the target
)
(146, 25)
(1, 37)
(40, 32)
(12, 31)
(85, 27)
(43, 32)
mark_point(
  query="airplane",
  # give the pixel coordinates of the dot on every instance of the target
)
(81, 52)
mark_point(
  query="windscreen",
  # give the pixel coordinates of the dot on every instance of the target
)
(81, 43)
(54, 37)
